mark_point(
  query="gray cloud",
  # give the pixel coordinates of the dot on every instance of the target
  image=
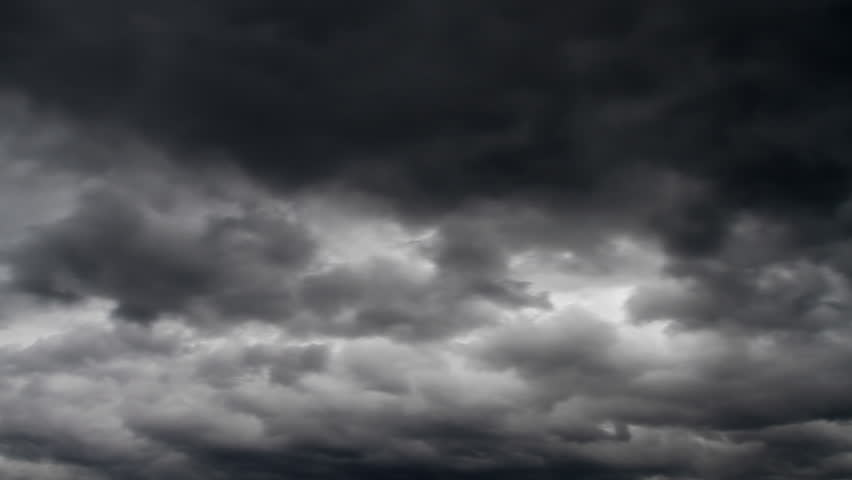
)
(538, 162)
(113, 248)
(569, 394)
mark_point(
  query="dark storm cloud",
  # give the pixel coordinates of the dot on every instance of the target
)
(116, 248)
(574, 109)
(432, 103)
(764, 278)
(509, 128)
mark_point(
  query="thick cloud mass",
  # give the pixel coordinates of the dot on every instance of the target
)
(425, 239)
(111, 248)
(469, 99)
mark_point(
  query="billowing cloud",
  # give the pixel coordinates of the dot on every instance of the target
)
(425, 239)
(115, 249)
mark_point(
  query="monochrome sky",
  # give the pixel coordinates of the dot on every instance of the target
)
(425, 239)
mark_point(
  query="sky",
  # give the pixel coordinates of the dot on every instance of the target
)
(425, 239)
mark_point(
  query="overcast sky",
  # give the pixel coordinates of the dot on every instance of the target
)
(425, 239)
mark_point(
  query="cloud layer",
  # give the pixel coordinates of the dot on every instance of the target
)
(410, 239)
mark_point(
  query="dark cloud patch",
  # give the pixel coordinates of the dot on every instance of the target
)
(283, 365)
(573, 340)
(385, 298)
(797, 297)
(804, 449)
(114, 248)
(764, 277)
(432, 104)
(478, 259)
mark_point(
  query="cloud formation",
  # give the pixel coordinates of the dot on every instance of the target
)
(410, 239)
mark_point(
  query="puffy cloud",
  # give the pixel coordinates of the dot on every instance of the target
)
(114, 248)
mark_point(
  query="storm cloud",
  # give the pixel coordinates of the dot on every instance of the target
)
(425, 239)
